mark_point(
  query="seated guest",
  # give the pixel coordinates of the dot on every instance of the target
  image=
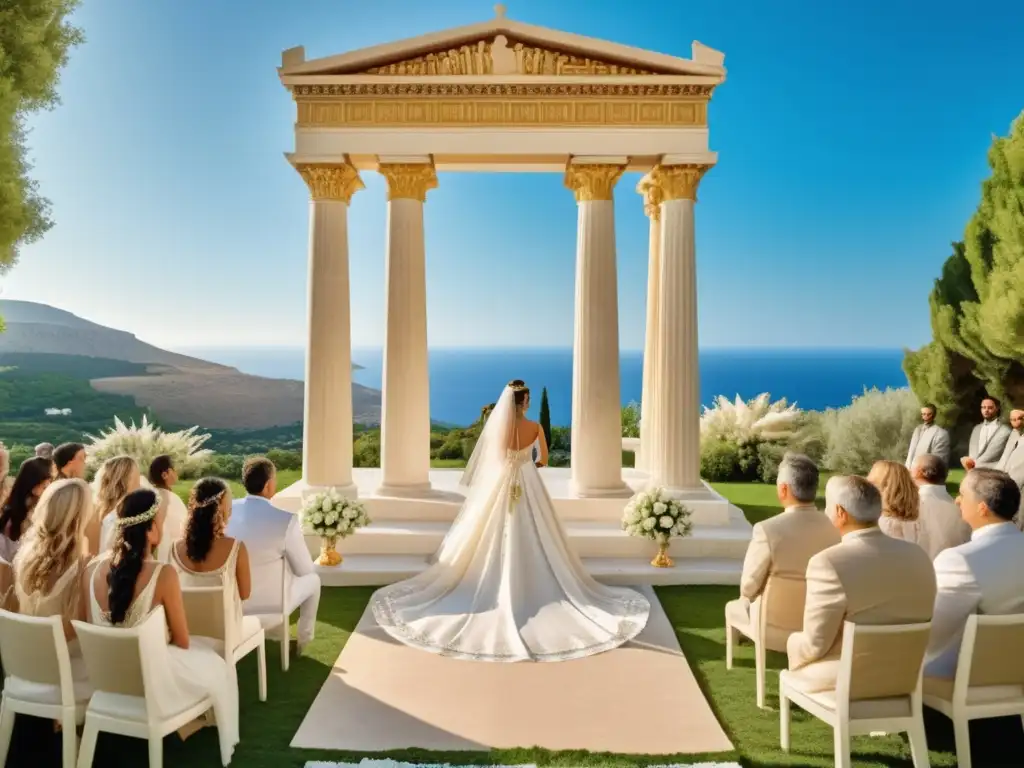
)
(69, 460)
(271, 534)
(939, 515)
(985, 575)
(901, 503)
(988, 439)
(928, 437)
(44, 451)
(868, 578)
(33, 478)
(126, 584)
(116, 478)
(781, 546)
(162, 476)
(205, 555)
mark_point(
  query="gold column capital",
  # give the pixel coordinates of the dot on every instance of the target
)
(409, 181)
(330, 181)
(592, 182)
(678, 182)
(653, 196)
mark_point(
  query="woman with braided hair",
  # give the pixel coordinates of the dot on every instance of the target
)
(126, 584)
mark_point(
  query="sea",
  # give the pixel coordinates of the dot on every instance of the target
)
(463, 380)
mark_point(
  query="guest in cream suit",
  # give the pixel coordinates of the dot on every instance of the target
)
(271, 534)
(928, 437)
(782, 545)
(985, 575)
(988, 439)
(868, 578)
(939, 515)
(1012, 462)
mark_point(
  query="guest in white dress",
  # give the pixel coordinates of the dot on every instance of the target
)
(50, 563)
(901, 503)
(162, 476)
(124, 587)
(205, 557)
(116, 478)
(33, 478)
(69, 461)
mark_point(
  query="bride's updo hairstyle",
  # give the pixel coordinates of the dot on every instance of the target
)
(204, 522)
(135, 516)
(521, 392)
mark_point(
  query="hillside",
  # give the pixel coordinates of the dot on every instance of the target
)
(178, 389)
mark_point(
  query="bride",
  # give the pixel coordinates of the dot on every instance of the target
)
(505, 585)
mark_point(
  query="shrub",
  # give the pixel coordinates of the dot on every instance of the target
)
(876, 425)
(285, 459)
(226, 465)
(561, 439)
(558, 458)
(453, 448)
(366, 450)
(769, 456)
(147, 441)
(631, 420)
(719, 461)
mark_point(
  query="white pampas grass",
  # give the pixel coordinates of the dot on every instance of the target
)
(147, 441)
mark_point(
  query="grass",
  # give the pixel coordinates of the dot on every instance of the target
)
(696, 614)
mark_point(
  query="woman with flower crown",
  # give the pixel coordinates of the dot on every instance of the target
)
(127, 584)
(505, 585)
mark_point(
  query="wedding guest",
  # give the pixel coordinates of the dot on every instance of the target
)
(116, 478)
(271, 534)
(939, 515)
(33, 478)
(901, 503)
(1012, 462)
(69, 459)
(985, 575)
(126, 584)
(781, 546)
(928, 437)
(162, 476)
(44, 451)
(868, 578)
(6, 481)
(988, 439)
(205, 557)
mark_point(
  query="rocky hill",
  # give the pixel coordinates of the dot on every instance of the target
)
(179, 389)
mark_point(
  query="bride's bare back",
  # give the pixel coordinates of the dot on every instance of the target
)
(523, 435)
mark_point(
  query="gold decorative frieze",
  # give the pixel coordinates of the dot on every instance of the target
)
(678, 182)
(330, 182)
(501, 57)
(409, 180)
(302, 92)
(592, 182)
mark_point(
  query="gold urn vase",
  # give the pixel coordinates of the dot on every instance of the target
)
(662, 560)
(329, 556)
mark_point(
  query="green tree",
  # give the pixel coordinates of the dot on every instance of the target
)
(977, 303)
(545, 415)
(35, 37)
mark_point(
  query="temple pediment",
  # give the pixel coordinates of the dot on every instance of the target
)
(503, 47)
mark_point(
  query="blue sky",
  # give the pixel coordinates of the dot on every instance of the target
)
(851, 141)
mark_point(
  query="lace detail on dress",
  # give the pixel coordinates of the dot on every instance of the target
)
(140, 608)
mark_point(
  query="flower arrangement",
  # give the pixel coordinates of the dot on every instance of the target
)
(653, 515)
(331, 516)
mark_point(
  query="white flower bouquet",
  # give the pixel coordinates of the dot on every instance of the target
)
(332, 516)
(653, 515)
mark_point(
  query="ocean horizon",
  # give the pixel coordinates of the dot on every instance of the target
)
(464, 380)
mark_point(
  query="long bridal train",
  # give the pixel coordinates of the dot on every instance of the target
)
(505, 585)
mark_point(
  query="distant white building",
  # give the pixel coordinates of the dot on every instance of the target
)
(58, 411)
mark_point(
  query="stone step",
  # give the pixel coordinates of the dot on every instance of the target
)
(378, 570)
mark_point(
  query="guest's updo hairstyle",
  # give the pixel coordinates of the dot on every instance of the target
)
(135, 516)
(204, 524)
(521, 392)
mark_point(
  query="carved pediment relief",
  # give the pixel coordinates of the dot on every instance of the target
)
(502, 57)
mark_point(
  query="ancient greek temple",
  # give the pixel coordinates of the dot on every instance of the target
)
(502, 95)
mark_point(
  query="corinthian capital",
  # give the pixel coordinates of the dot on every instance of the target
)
(592, 182)
(653, 196)
(409, 181)
(678, 182)
(329, 181)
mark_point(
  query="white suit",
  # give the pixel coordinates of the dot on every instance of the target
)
(274, 538)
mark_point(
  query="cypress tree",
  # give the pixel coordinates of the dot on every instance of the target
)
(545, 415)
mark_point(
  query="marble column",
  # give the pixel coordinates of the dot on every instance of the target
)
(648, 405)
(405, 407)
(596, 398)
(675, 459)
(327, 422)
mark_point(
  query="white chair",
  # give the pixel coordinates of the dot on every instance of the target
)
(782, 601)
(281, 619)
(878, 689)
(209, 614)
(989, 678)
(120, 661)
(38, 679)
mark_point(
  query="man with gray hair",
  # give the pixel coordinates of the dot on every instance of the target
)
(868, 578)
(985, 575)
(939, 516)
(44, 451)
(780, 547)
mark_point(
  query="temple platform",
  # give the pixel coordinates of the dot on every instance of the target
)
(406, 530)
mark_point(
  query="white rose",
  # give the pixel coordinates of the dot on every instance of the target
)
(660, 508)
(665, 522)
(645, 512)
(648, 523)
(331, 517)
(317, 518)
(350, 514)
(633, 516)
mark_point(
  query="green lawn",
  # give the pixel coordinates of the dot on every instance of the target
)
(695, 612)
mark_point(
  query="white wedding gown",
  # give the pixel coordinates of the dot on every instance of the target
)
(505, 586)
